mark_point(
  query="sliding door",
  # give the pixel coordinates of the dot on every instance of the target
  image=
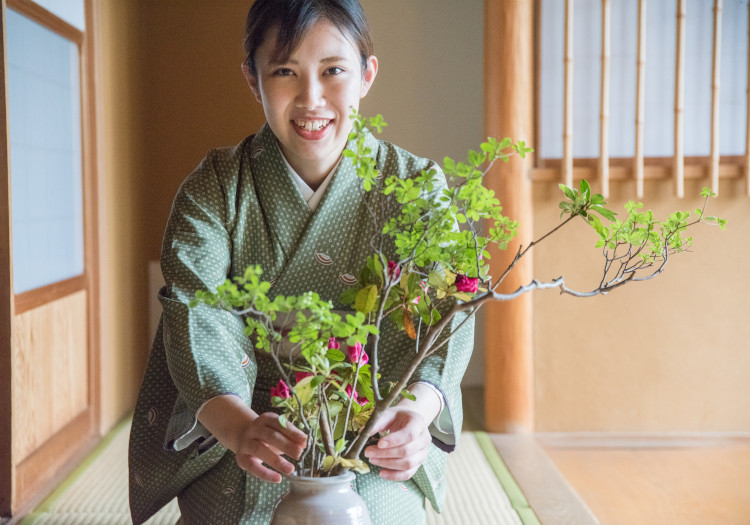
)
(50, 268)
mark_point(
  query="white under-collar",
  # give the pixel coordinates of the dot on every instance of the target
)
(312, 197)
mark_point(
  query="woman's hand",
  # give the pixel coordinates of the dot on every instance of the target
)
(264, 440)
(254, 439)
(403, 447)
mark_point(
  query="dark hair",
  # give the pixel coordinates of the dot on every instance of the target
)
(294, 18)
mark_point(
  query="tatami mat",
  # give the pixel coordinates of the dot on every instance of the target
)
(97, 493)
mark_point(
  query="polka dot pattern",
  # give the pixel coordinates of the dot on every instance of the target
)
(241, 207)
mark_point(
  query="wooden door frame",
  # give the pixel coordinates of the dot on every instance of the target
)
(6, 293)
(24, 485)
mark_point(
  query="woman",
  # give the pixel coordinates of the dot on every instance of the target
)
(285, 199)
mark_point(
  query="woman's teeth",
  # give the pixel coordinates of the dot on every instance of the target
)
(311, 125)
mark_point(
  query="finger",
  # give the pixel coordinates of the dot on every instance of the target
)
(289, 434)
(410, 462)
(410, 429)
(401, 451)
(273, 437)
(275, 461)
(255, 467)
(384, 422)
(293, 433)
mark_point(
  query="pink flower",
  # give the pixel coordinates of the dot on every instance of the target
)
(353, 394)
(356, 354)
(466, 284)
(393, 270)
(299, 376)
(332, 343)
(281, 390)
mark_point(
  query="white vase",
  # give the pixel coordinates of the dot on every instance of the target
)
(321, 501)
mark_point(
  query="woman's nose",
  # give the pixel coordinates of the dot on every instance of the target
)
(310, 95)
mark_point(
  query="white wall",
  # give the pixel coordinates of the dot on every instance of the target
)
(430, 84)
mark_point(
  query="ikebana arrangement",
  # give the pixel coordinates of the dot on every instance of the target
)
(428, 269)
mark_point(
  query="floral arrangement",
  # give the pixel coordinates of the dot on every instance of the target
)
(330, 386)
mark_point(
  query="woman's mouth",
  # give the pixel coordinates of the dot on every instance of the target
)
(311, 125)
(314, 129)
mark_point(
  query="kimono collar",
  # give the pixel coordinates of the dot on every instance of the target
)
(315, 244)
(311, 196)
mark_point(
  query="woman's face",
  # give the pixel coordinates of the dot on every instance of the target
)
(308, 99)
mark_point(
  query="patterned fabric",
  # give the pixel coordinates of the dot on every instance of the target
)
(242, 207)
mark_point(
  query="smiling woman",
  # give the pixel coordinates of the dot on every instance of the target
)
(308, 96)
(287, 200)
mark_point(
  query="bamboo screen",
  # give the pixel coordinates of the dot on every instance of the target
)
(640, 89)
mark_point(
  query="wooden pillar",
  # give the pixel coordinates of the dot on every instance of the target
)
(508, 102)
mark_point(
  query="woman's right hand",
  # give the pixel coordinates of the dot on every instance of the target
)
(264, 440)
(254, 439)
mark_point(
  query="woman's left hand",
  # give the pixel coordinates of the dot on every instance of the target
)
(404, 444)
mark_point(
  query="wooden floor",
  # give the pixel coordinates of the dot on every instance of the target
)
(634, 479)
(699, 481)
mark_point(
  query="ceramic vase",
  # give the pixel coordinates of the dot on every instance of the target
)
(321, 501)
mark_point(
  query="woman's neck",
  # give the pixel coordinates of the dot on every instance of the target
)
(313, 175)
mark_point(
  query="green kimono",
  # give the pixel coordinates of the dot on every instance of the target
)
(242, 207)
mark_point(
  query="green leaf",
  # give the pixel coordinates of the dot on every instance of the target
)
(335, 355)
(340, 445)
(366, 299)
(437, 280)
(585, 189)
(282, 420)
(408, 395)
(304, 389)
(604, 212)
(348, 295)
(569, 192)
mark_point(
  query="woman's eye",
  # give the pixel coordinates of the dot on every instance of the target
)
(335, 70)
(283, 72)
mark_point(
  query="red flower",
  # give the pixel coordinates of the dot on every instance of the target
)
(332, 343)
(281, 390)
(299, 376)
(393, 270)
(353, 394)
(356, 354)
(466, 284)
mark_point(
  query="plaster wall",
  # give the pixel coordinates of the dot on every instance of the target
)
(170, 88)
(430, 86)
(666, 355)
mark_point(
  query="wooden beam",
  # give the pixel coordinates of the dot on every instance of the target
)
(679, 103)
(6, 278)
(747, 115)
(89, 52)
(568, 97)
(640, 96)
(51, 21)
(509, 89)
(604, 99)
(715, 97)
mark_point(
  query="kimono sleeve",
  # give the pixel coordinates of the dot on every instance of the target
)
(207, 353)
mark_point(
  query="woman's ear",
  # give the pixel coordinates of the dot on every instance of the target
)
(252, 81)
(369, 74)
